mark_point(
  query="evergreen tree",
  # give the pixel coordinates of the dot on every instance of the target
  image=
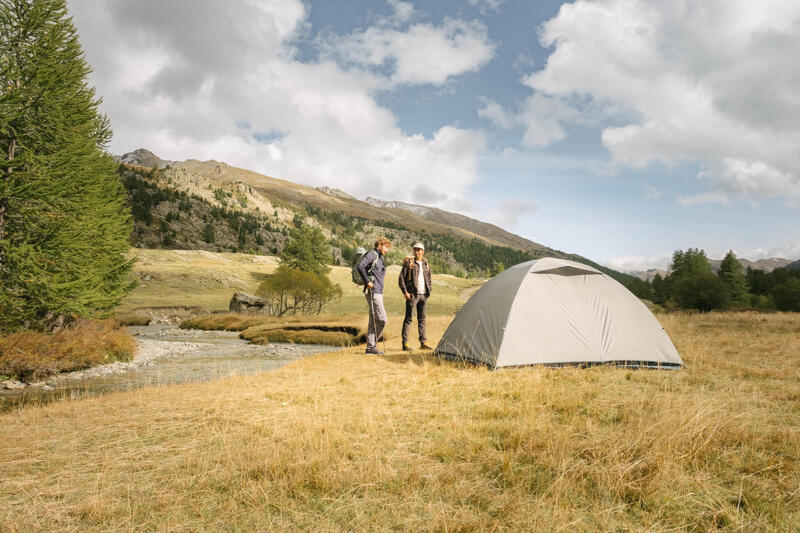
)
(692, 262)
(307, 250)
(660, 295)
(64, 223)
(732, 273)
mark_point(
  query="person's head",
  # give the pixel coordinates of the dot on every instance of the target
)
(419, 251)
(382, 245)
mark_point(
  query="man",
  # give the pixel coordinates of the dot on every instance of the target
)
(415, 282)
(372, 270)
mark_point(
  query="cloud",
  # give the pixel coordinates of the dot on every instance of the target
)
(420, 54)
(495, 113)
(187, 79)
(507, 213)
(487, 6)
(631, 263)
(672, 83)
(788, 251)
(651, 193)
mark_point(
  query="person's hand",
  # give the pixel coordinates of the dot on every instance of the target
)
(370, 285)
(408, 296)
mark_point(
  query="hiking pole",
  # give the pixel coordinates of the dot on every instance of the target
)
(371, 318)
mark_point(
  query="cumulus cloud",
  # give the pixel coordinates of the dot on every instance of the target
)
(651, 193)
(420, 54)
(712, 84)
(188, 79)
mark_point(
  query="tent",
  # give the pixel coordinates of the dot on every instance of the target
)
(553, 311)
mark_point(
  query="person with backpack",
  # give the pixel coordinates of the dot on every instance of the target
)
(415, 282)
(372, 269)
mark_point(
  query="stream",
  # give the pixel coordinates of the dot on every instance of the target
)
(167, 355)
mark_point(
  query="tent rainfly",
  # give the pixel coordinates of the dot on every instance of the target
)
(553, 312)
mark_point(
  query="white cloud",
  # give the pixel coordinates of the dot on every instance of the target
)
(712, 84)
(631, 263)
(403, 11)
(495, 113)
(189, 80)
(788, 251)
(487, 6)
(506, 213)
(651, 193)
(421, 54)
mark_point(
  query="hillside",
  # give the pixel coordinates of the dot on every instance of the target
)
(210, 205)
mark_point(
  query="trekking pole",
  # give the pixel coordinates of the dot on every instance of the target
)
(372, 318)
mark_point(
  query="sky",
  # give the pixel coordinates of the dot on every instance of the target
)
(621, 130)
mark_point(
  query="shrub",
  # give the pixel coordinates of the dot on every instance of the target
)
(703, 292)
(787, 295)
(31, 356)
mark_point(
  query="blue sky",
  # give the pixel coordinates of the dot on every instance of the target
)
(620, 130)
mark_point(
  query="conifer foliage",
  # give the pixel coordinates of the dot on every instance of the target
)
(64, 224)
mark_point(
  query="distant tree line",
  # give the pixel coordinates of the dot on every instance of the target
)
(692, 285)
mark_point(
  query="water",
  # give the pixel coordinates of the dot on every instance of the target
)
(218, 355)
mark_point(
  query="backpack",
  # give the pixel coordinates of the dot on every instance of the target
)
(359, 254)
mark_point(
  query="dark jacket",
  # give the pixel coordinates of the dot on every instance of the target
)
(377, 273)
(409, 274)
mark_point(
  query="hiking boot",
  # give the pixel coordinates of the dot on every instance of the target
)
(407, 348)
(423, 346)
(373, 351)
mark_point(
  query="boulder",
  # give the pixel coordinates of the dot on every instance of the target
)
(246, 303)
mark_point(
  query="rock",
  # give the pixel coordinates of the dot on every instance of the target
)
(36, 384)
(12, 384)
(47, 387)
(246, 303)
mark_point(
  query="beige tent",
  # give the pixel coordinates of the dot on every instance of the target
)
(553, 311)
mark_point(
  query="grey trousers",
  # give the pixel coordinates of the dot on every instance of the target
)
(377, 318)
(421, 303)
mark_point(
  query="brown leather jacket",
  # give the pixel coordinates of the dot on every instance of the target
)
(409, 274)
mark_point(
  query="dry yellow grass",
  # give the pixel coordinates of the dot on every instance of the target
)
(343, 441)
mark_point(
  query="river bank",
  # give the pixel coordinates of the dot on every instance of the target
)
(165, 355)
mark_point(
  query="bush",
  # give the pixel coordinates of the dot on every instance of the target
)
(703, 292)
(787, 295)
(32, 356)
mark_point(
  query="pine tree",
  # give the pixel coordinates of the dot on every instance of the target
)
(307, 250)
(64, 223)
(732, 273)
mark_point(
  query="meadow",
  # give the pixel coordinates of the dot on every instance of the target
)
(205, 281)
(343, 441)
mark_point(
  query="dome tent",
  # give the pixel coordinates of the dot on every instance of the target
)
(553, 311)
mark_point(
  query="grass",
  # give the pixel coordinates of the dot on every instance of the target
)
(261, 329)
(33, 356)
(166, 277)
(342, 441)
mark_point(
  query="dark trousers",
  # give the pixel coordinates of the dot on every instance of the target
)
(421, 303)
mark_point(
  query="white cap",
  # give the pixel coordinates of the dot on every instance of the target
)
(419, 245)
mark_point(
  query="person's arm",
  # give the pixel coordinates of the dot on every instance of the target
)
(401, 280)
(367, 260)
(428, 278)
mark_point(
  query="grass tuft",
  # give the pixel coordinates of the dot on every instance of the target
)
(33, 356)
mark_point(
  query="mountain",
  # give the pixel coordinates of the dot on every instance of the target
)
(767, 265)
(439, 216)
(143, 158)
(649, 274)
(793, 266)
(211, 205)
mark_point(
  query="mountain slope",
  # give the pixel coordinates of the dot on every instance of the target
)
(228, 198)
